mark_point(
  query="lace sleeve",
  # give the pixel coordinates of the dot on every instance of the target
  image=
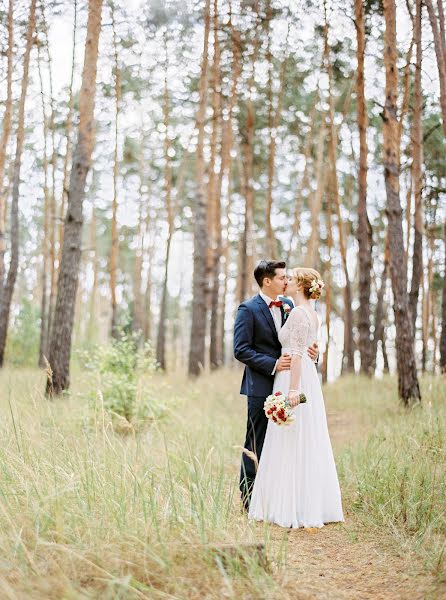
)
(299, 327)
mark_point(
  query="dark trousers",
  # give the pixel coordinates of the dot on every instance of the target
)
(255, 436)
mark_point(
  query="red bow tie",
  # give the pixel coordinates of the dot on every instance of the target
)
(278, 304)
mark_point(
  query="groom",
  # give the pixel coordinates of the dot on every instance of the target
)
(257, 346)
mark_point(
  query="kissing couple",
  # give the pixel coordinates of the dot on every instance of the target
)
(288, 473)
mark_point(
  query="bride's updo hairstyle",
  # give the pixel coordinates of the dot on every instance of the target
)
(306, 279)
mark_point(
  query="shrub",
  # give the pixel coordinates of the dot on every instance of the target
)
(119, 367)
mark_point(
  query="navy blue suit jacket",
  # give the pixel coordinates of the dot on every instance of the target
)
(256, 345)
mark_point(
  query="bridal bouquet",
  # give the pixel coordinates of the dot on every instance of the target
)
(278, 409)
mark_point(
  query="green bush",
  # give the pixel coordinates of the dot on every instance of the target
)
(119, 367)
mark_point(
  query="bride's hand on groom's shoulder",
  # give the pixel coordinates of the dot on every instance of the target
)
(313, 352)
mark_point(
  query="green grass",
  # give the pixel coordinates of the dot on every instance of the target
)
(396, 478)
(87, 511)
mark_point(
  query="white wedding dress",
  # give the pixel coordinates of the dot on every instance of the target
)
(296, 483)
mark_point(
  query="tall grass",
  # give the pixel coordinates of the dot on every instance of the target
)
(396, 478)
(86, 511)
(83, 507)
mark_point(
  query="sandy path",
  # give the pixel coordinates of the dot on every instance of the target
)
(341, 561)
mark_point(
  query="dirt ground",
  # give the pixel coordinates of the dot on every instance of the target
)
(343, 562)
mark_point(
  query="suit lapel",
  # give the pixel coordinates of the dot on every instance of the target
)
(265, 310)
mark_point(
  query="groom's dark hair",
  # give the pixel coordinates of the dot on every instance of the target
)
(267, 268)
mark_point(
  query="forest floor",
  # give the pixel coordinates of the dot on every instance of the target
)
(348, 561)
(97, 508)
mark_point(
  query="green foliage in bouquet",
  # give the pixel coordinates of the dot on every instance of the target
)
(120, 366)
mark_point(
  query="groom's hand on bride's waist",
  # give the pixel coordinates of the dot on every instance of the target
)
(284, 363)
(313, 352)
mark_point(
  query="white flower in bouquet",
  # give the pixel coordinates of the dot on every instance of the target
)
(278, 409)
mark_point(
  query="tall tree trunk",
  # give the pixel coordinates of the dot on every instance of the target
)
(408, 387)
(406, 82)
(68, 130)
(384, 351)
(215, 182)
(43, 345)
(440, 51)
(225, 176)
(348, 361)
(303, 188)
(273, 124)
(148, 324)
(7, 119)
(60, 346)
(247, 148)
(114, 250)
(312, 258)
(138, 308)
(443, 313)
(408, 213)
(328, 288)
(92, 317)
(8, 288)
(199, 312)
(431, 328)
(52, 195)
(417, 175)
(161, 339)
(379, 310)
(364, 230)
(425, 323)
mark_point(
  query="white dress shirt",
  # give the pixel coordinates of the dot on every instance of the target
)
(277, 318)
(274, 310)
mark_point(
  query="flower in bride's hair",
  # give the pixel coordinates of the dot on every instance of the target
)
(316, 286)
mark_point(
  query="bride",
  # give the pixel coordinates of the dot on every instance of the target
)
(296, 484)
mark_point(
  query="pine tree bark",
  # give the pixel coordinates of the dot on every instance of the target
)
(378, 334)
(364, 230)
(138, 308)
(312, 257)
(425, 324)
(408, 386)
(247, 150)
(92, 317)
(114, 250)
(225, 175)
(60, 346)
(7, 119)
(443, 314)
(274, 116)
(52, 195)
(68, 148)
(431, 326)
(8, 288)
(199, 283)
(43, 345)
(348, 360)
(328, 288)
(148, 323)
(302, 188)
(438, 31)
(161, 339)
(215, 182)
(417, 174)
